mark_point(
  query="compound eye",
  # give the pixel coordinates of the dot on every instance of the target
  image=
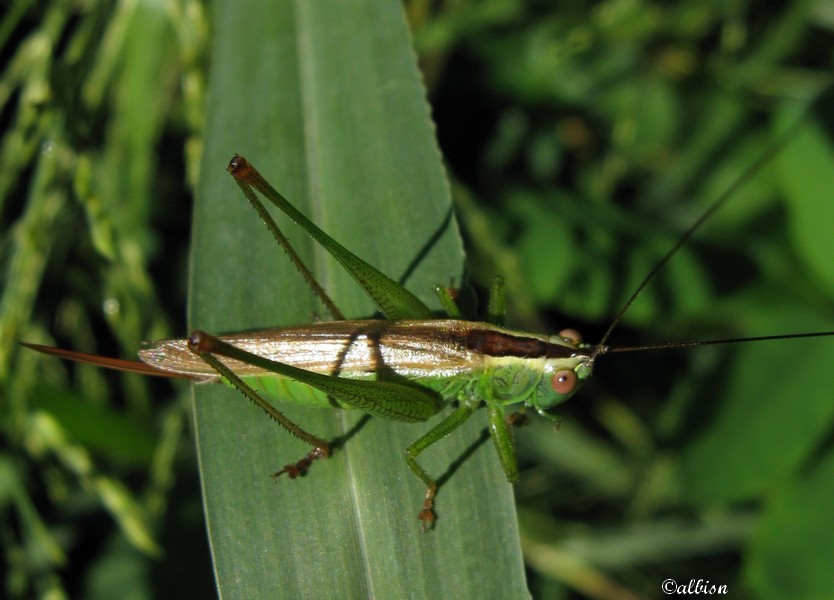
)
(571, 335)
(563, 381)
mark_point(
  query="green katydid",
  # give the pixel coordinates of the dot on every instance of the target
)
(405, 368)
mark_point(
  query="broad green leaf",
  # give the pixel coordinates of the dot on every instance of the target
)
(324, 99)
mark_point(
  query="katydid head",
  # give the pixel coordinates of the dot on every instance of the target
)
(540, 371)
(561, 376)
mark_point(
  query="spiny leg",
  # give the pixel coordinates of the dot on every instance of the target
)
(457, 418)
(447, 300)
(300, 467)
(499, 429)
(204, 346)
(496, 306)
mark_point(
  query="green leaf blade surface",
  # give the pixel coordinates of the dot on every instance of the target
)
(325, 100)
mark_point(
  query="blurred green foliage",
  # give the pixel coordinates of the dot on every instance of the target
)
(583, 139)
(102, 115)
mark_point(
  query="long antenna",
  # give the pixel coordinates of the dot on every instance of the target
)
(601, 348)
(672, 345)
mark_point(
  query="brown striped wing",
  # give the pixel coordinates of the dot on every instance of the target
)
(409, 348)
